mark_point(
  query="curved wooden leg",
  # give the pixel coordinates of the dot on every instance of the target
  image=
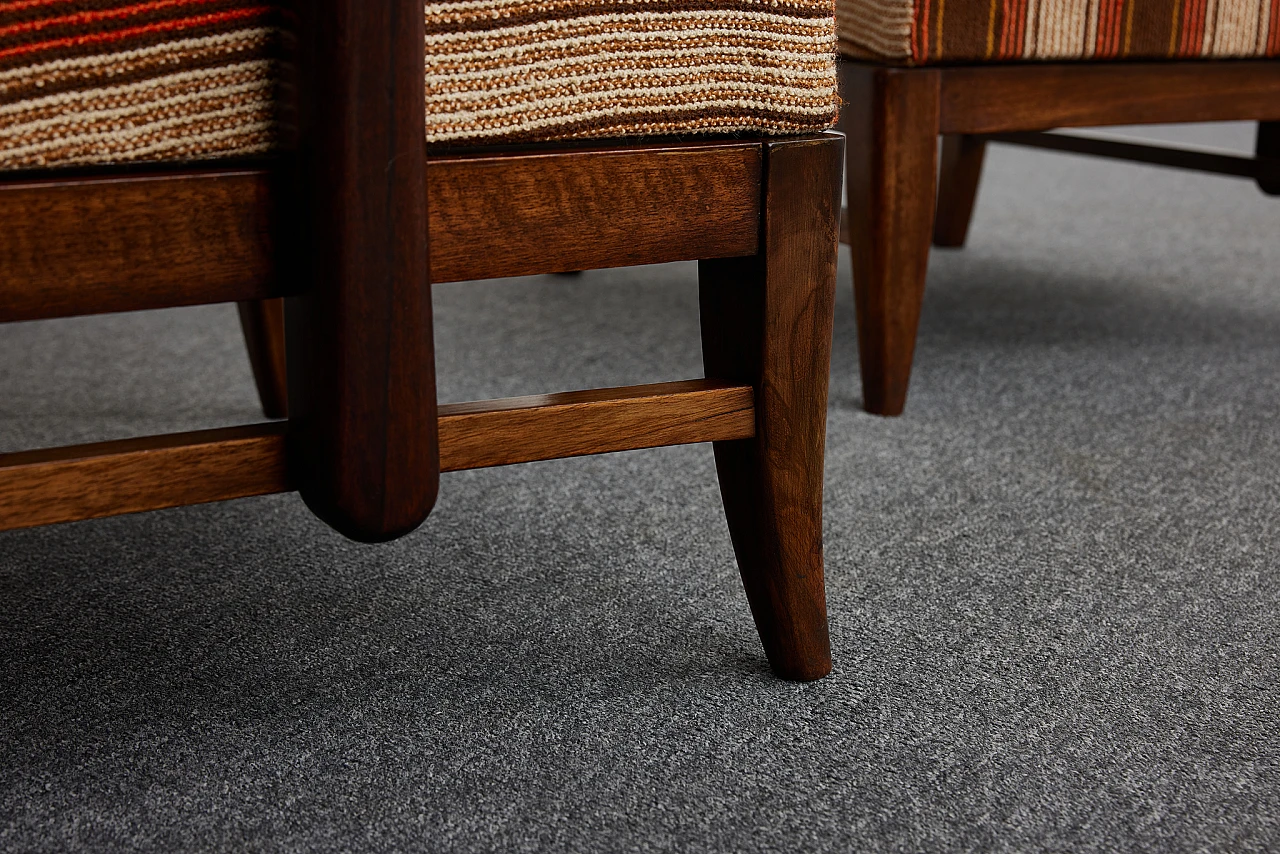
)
(891, 119)
(958, 179)
(263, 324)
(1268, 149)
(767, 320)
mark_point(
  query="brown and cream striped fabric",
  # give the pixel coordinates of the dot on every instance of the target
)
(114, 81)
(920, 32)
(100, 81)
(530, 69)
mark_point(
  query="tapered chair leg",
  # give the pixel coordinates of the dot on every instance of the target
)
(958, 177)
(891, 118)
(1268, 151)
(767, 320)
(262, 322)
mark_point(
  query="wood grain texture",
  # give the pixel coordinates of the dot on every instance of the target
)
(562, 210)
(262, 322)
(1267, 150)
(891, 118)
(893, 115)
(156, 472)
(598, 421)
(90, 245)
(129, 476)
(361, 357)
(1035, 96)
(767, 320)
(959, 175)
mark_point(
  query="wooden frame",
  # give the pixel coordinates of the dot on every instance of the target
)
(341, 242)
(899, 200)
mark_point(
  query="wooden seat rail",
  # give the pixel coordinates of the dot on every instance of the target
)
(135, 242)
(196, 237)
(983, 99)
(130, 243)
(905, 192)
(364, 222)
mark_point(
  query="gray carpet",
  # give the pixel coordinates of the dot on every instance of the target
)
(1053, 585)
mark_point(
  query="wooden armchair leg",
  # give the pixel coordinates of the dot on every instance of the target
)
(891, 117)
(767, 320)
(262, 322)
(958, 179)
(363, 446)
(1268, 150)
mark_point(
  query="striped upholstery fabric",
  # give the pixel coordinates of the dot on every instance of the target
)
(920, 32)
(526, 69)
(97, 81)
(114, 81)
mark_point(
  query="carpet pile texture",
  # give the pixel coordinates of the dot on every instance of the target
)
(1054, 583)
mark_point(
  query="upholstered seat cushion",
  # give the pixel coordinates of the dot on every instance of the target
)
(114, 81)
(920, 32)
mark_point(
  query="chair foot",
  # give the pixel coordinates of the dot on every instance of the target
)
(262, 322)
(891, 117)
(767, 320)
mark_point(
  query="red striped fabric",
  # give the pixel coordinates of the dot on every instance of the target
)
(920, 32)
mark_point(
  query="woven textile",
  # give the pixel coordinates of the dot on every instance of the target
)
(95, 81)
(525, 69)
(113, 81)
(937, 31)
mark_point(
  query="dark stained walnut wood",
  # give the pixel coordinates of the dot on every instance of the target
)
(891, 118)
(262, 322)
(1268, 154)
(361, 358)
(156, 472)
(203, 236)
(534, 211)
(366, 441)
(640, 417)
(129, 476)
(77, 246)
(958, 177)
(597, 421)
(767, 320)
(1034, 96)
